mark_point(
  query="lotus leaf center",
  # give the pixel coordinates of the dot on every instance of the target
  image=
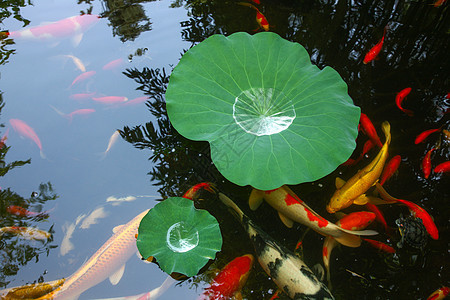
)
(181, 237)
(263, 111)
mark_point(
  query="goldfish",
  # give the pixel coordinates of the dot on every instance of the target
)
(426, 164)
(230, 280)
(443, 167)
(369, 129)
(375, 50)
(72, 26)
(287, 270)
(108, 261)
(191, 193)
(399, 99)
(438, 3)
(30, 291)
(28, 233)
(260, 18)
(421, 137)
(390, 168)
(113, 64)
(110, 99)
(24, 129)
(22, 212)
(353, 191)
(416, 210)
(439, 294)
(380, 245)
(111, 142)
(69, 116)
(291, 208)
(82, 77)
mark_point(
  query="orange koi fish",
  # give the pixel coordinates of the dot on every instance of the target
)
(230, 280)
(356, 220)
(443, 167)
(369, 130)
(380, 245)
(28, 233)
(24, 129)
(22, 212)
(399, 99)
(421, 137)
(190, 194)
(82, 77)
(260, 18)
(438, 3)
(108, 261)
(110, 99)
(426, 163)
(439, 294)
(416, 210)
(291, 208)
(375, 50)
(390, 168)
(113, 64)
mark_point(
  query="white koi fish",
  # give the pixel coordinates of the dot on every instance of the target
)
(111, 142)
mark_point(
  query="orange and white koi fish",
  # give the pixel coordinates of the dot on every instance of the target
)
(229, 282)
(353, 191)
(25, 130)
(260, 18)
(439, 294)
(291, 208)
(28, 233)
(113, 64)
(108, 261)
(30, 291)
(369, 130)
(399, 99)
(390, 168)
(421, 137)
(72, 26)
(442, 168)
(22, 212)
(375, 50)
(83, 77)
(415, 209)
(380, 245)
(426, 163)
(110, 99)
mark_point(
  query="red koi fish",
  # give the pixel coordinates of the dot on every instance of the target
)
(356, 220)
(443, 167)
(390, 168)
(22, 212)
(438, 3)
(113, 64)
(439, 294)
(378, 215)
(291, 208)
(416, 210)
(421, 137)
(25, 130)
(399, 99)
(426, 164)
(110, 99)
(373, 53)
(73, 26)
(380, 246)
(230, 280)
(260, 18)
(82, 77)
(369, 130)
(190, 194)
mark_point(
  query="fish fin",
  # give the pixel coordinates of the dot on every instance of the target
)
(361, 200)
(286, 221)
(117, 228)
(77, 39)
(349, 240)
(255, 199)
(117, 275)
(379, 201)
(339, 182)
(359, 232)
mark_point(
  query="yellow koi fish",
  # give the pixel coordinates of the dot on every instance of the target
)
(108, 261)
(30, 291)
(353, 191)
(28, 233)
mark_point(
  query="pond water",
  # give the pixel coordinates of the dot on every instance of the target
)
(89, 179)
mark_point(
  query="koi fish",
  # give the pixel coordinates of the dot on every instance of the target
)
(380, 245)
(421, 137)
(110, 99)
(390, 168)
(24, 129)
(378, 215)
(443, 167)
(69, 116)
(230, 280)
(108, 261)
(426, 164)
(76, 61)
(111, 142)
(136, 101)
(353, 191)
(375, 50)
(113, 64)
(438, 3)
(288, 271)
(83, 77)
(399, 99)
(82, 96)
(291, 208)
(22, 212)
(72, 26)
(190, 194)
(328, 245)
(31, 291)
(439, 294)
(369, 130)
(28, 233)
(260, 18)
(416, 210)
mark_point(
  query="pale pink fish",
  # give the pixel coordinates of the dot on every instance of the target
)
(112, 141)
(113, 64)
(136, 101)
(25, 130)
(110, 99)
(69, 116)
(76, 61)
(82, 96)
(83, 76)
(69, 27)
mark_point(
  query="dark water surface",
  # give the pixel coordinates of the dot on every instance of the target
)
(149, 37)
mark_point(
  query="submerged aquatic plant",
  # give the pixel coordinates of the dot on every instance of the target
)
(180, 237)
(270, 116)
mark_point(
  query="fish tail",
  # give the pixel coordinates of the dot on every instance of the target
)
(348, 240)
(228, 202)
(249, 5)
(42, 154)
(386, 127)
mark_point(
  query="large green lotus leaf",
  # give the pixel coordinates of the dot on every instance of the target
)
(180, 237)
(270, 116)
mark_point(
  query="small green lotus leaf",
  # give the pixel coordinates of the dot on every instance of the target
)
(180, 237)
(270, 116)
